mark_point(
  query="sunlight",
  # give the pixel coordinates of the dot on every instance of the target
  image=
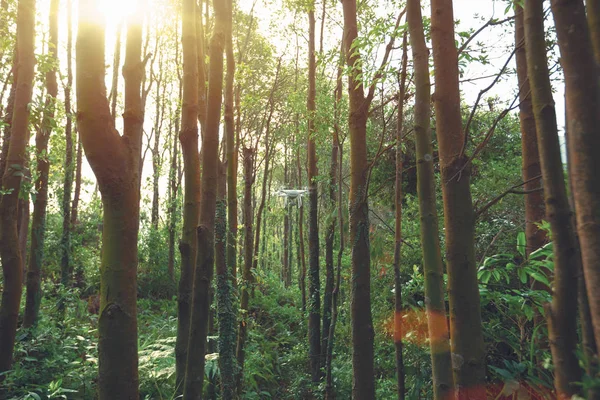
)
(117, 10)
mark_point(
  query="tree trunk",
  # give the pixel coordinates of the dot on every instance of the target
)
(156, 150)
(114, 90)
(38, 226)
(115, 161)
(77, 192)
(582, 82)
(561, 314)
(67, 225)
(314, 286)
(232, 155)
(433, 269)
(335, 180)
(174, 206)
(191, 202)
(226, 275)
(10, 252)
(593, 19)
(194, 372)
(363, 378)
(465, 312)
(534, 202)
(301, 253)
(398, 331)
(247, 275)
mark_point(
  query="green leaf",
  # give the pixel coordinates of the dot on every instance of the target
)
(521, 242)
(522, 275)
(540, 278)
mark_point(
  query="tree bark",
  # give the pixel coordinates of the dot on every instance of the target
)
(459, 220)
(561, 314)
(593, 19)
(582, 82)
(247, 275)
(67, 224)
(433, 269)
(534, 201)
(10, 252)
(363, 379)
(194, 375)
(38, 225)
(314, 286)
(336, 193)
(191, 202)
(398, 309)
(115, 161)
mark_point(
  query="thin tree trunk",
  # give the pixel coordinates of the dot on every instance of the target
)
(247, 275)
(10, 254)
(582, 82)
(115, 161)
(465, 311)
(227, 313)
(398, 331)
(156, 150)
(314, 286)
(534, 201)
(68, 182)
(77, 192)
(114, 90)
(433, 269)
(335, 179)
(191, 206)
(194, 375)
(38, 226)
(561, 314)
(301, 253)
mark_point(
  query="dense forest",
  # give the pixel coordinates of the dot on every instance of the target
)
(299, 199)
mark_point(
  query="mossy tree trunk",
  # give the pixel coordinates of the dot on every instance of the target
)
(38, 225)
(433, 269)
(10, 251)
(561, 314)
(115, 160)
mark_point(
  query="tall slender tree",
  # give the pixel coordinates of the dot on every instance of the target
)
(194, 373)
(227, 314)
(10, 252)
(465, 314)
(531, 169)
(38, 225)
(314, 295)
(191, 202)
(115, 160)
(561, 314)
(67, 223)
(433, 269)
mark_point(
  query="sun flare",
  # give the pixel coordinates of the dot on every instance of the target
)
(117, 10)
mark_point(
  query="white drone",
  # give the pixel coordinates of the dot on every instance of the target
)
(291, 195)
